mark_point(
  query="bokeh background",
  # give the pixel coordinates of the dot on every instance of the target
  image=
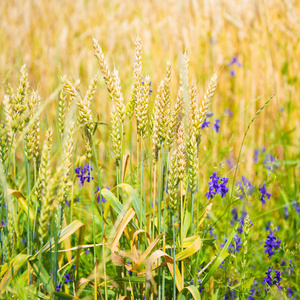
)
(256, 42)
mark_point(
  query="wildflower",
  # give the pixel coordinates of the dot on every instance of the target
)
(129, 272)
(23, 241)
(235, 61)
(290, 292)
(212, 234)
(58, 288)
(264, 193)
(87, 251)
(276, 280)
(205, 124)
(242, 221)
(296, 206)
(286, 213)
(217, 187)
(200, 288)
(228, 112)
(291, 268)
(234, 216)
(68, 278)
(272, 243)
(98, 195)
(216, 126)
(229, 163)
(223, 189)
(268, 227)
(252, 293)
(234, 246)
(3, 223)
(209, 114)
(269, 162)
(81, 174)
(256, 154)
(238, 242)
(245, 187)
(67, 203)
(268, 278)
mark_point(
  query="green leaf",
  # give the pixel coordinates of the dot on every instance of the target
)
(112, 200)
(11, 269)
(43, 275)
(136, 203)
(193, 291)
(220, 258)
(63, 296)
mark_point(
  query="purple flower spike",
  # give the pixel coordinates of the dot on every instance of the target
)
(216, 126)
(84, 174)
(272, 243)
(68, 278)
(217, 187)
(264, 194)
(58, 288)
(205, 124)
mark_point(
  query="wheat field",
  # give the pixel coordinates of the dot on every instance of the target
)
(149, 149)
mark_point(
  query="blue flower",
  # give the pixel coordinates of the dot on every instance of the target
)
(232, 72)
(68, 278)
(216, 126)
(229, 163)
(245, 187)
(252, 293)
(3, 223)
(58, 288)
(212, 234)
(205, 124)
(269, 162)
(23, 241)
(98, 196)
(290, 292)
(256, 154)
(217, 185)
(264, 193)
(272, 243)
(286, 213)
(210, 114)
(276, 280)
(235, 61)
(296, 206)
(228, 112)
(84, 174)
(268, 227)
(87, 251)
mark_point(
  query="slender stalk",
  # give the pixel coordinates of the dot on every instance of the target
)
(154, 194)
(150, 200)
(93, 199)
(28, 214)
(142, 178)
(181, 227)
(159, 207)
(192, 211)
(164, 225)
(174, 260)
(101, 217)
